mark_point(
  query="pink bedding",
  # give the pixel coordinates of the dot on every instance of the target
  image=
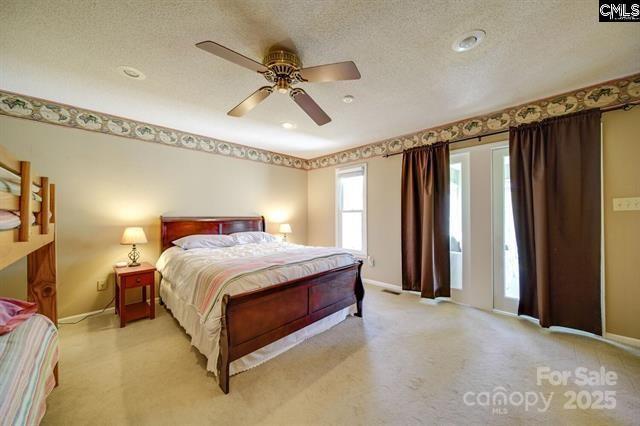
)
(14, 312)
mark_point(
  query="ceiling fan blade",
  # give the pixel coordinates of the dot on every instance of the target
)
(248, 104)
(331, 72)
(309, 106)
(231, 56)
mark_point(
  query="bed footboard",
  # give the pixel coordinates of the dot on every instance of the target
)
(255, 319)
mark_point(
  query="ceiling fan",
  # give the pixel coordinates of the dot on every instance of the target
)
(284, 69)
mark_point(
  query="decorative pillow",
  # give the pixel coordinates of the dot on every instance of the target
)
(253, 237)
(205, 241)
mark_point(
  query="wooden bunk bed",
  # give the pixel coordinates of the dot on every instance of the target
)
(32, 198)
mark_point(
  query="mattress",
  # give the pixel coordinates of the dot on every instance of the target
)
(189, 291)
(28, 356)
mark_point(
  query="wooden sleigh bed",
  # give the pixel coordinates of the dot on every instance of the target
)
(32, 199)
(257, 318)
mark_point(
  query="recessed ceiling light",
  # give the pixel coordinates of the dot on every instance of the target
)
(468, 40)
(132, 72)
(348, 99)
(287, 125)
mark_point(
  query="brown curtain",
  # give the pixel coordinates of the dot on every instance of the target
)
(425, 220)
(555, 189)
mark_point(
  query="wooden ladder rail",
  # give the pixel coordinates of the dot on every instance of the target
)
(25, 201)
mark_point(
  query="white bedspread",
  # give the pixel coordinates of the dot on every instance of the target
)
(187, 272)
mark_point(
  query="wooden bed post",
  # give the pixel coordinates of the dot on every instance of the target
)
(44, 208)
(223, 357)
(52, 202)
(25, 201)
(359, 290)
(41, 284)
(41, 280)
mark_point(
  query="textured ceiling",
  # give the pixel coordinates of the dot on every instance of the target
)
(68, 51)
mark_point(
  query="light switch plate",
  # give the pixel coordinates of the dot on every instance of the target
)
(621, 204)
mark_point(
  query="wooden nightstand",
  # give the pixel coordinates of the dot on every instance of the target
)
(132, 277)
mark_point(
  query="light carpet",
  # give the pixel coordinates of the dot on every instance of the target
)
(406, 362)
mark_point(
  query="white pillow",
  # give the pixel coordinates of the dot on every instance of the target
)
(252, 237)
(205, 241)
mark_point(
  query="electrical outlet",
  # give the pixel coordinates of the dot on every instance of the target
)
(370, 261)
(102, 285)
(620, 204)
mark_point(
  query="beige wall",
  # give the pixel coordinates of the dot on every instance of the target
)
(621, 159)
(105, 183)
(383, 224)
(622, 229)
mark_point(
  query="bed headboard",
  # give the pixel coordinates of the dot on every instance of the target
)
(173, 228)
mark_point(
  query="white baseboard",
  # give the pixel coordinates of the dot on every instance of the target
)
(382, 284)
(631, 341)
(398, 288)
(95, 313)
(99, 312)
(611, 338)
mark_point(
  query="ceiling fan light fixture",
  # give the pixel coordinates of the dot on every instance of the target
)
(347, 99)
(283, 86)
(288, 125)
(468, 41)
(283, 70)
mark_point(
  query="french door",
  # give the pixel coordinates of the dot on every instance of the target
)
(506, 287)
(459, 223)
(483, 252)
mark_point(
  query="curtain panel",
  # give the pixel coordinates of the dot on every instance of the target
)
(425, 220)
(556, 193)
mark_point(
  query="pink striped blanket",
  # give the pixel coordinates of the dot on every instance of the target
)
(28, 355)
(220, 275)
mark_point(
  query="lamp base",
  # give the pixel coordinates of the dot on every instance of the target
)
(134, 255)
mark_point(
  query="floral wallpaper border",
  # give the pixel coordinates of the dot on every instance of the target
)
(22, 106)
(607, 94)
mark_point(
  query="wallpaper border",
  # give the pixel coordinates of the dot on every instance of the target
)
(606, 94)
(45, 111)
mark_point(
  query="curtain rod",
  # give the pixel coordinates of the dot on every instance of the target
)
(625, 107)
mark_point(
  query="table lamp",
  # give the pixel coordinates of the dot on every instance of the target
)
(285, 229)
(133, 235)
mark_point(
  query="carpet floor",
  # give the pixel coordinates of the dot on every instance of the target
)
(406, 362)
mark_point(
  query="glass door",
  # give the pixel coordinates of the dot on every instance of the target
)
(459, 223)
(506, 287)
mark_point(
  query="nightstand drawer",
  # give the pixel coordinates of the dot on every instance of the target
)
(137, 280)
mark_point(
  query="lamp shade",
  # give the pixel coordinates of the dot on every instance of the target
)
(133, 235)
(285, 228)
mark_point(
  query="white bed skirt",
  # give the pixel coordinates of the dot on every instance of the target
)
(189, 319)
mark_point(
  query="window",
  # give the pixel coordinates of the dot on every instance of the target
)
(351, 208)
(458, 217)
